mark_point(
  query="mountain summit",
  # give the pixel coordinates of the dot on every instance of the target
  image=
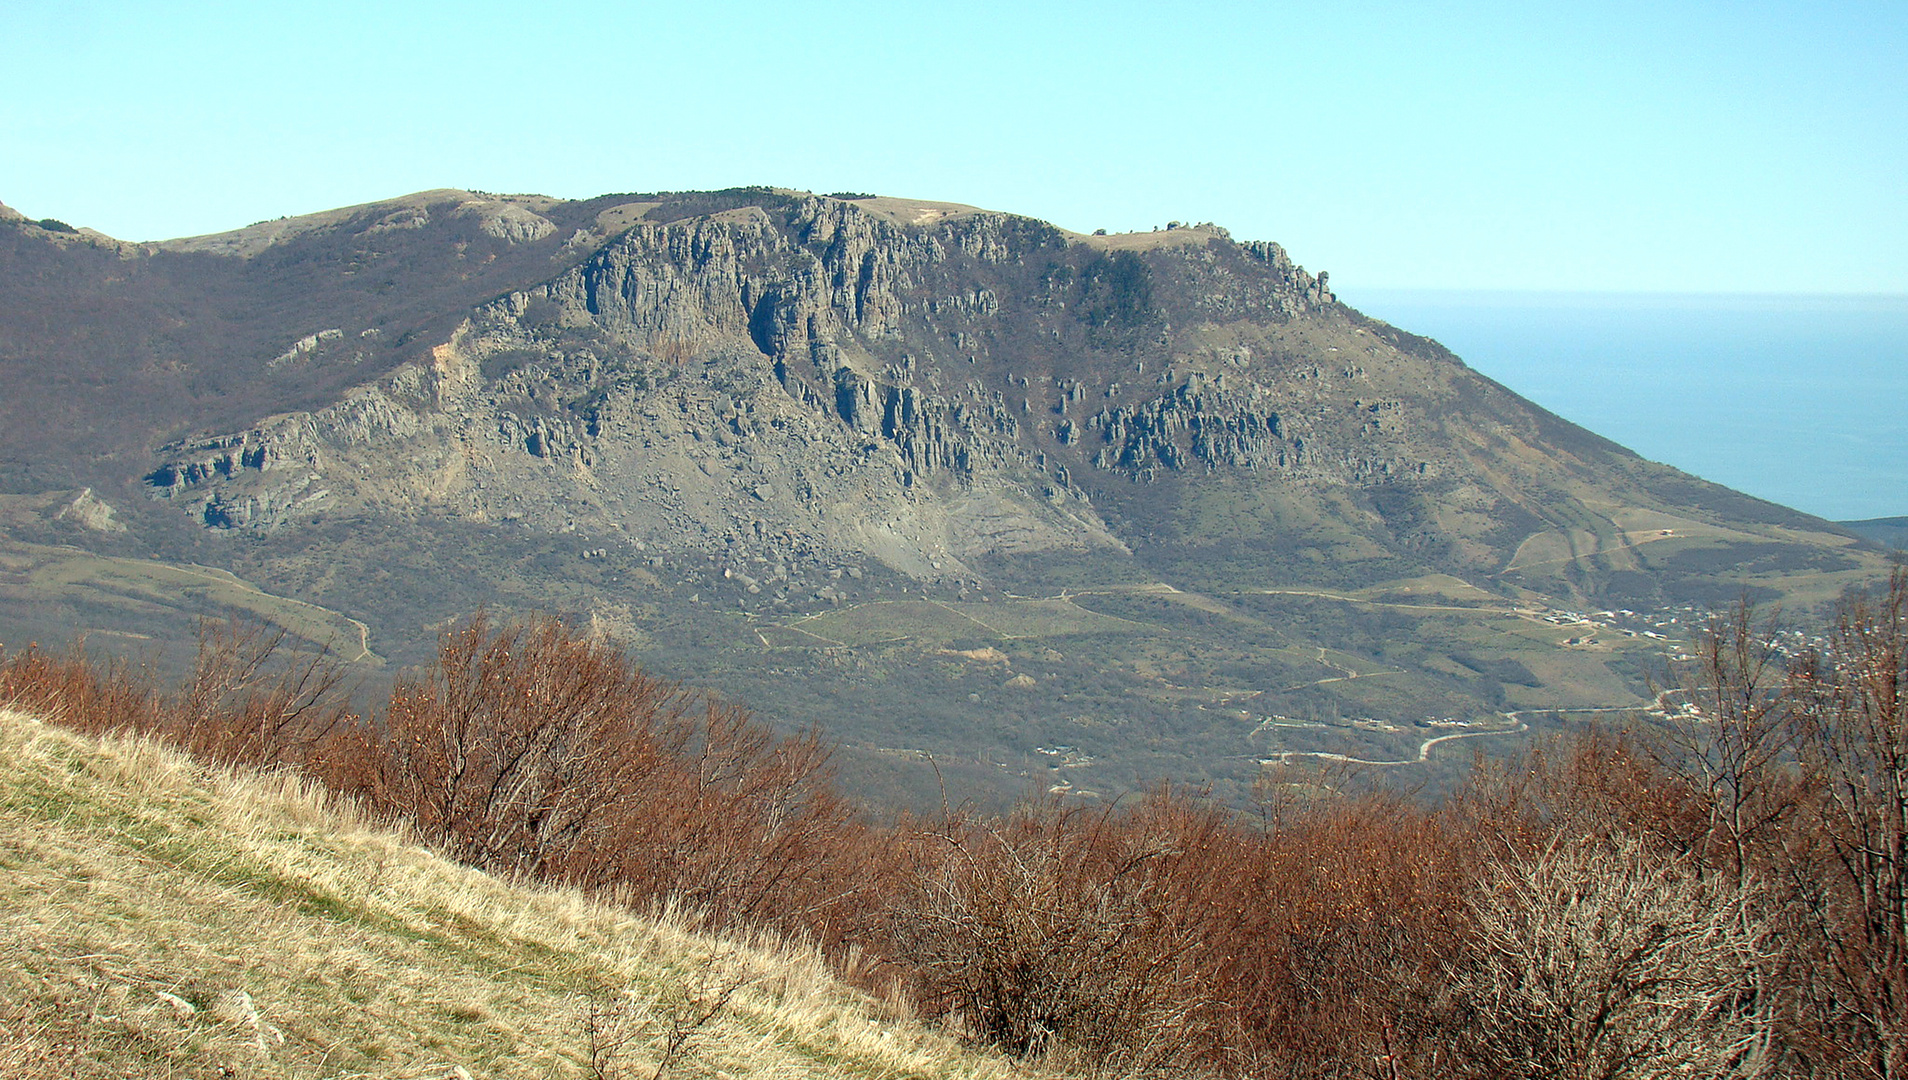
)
(852, 455)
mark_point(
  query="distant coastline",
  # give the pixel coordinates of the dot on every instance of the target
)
(1794, 398)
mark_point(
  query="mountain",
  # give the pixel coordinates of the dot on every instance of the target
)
(963, 488)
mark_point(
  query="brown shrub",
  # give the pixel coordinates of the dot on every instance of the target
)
(1339, 938)
(531, 749)
(1065, 931)
(249, 701)
(78, 692)
(523, 745)
(1166, 934)
(1593, 782)
(1333, 937)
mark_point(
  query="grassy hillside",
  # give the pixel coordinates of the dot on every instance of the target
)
(161, 918)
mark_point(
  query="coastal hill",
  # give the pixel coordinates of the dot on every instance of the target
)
(1888, 531)
(960, 487)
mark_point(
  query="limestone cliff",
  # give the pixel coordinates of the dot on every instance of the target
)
(783, 380)
(941, 480)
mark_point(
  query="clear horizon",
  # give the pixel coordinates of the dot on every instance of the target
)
(1791, 398)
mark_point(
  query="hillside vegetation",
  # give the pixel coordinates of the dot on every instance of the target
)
(162, 917)
(1720, 889)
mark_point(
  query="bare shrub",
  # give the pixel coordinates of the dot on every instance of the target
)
(668, 1023)
(1606, 958)
(1167, 935)
(79, 692)
(1595, 782)
(533, 749)
(1605, 905)
(250, 701)
(1331, 937)
(1063, 931)
(744, 827)
(524, 744)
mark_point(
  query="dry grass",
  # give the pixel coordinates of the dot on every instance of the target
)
(162, 918)
(1185, 236)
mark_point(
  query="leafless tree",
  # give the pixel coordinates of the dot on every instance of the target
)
(1851, 706)
(252, 699)
(1731, 745)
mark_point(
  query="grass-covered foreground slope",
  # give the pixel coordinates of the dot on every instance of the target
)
(162, 918)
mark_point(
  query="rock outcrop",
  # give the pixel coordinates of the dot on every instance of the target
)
(945, 481)
(802, 380)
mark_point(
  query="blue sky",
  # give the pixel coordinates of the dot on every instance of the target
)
(1708, 147)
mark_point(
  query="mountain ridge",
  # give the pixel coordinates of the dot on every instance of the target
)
(768, 421)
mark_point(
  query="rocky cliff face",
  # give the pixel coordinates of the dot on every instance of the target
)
(824, 382)
(942, 480)
(769, 379)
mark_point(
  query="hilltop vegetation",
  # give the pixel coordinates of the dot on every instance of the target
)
(1720, 891)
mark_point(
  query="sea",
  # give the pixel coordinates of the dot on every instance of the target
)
(1798, 399)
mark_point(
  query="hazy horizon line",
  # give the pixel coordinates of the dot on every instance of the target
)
(1533, 295)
